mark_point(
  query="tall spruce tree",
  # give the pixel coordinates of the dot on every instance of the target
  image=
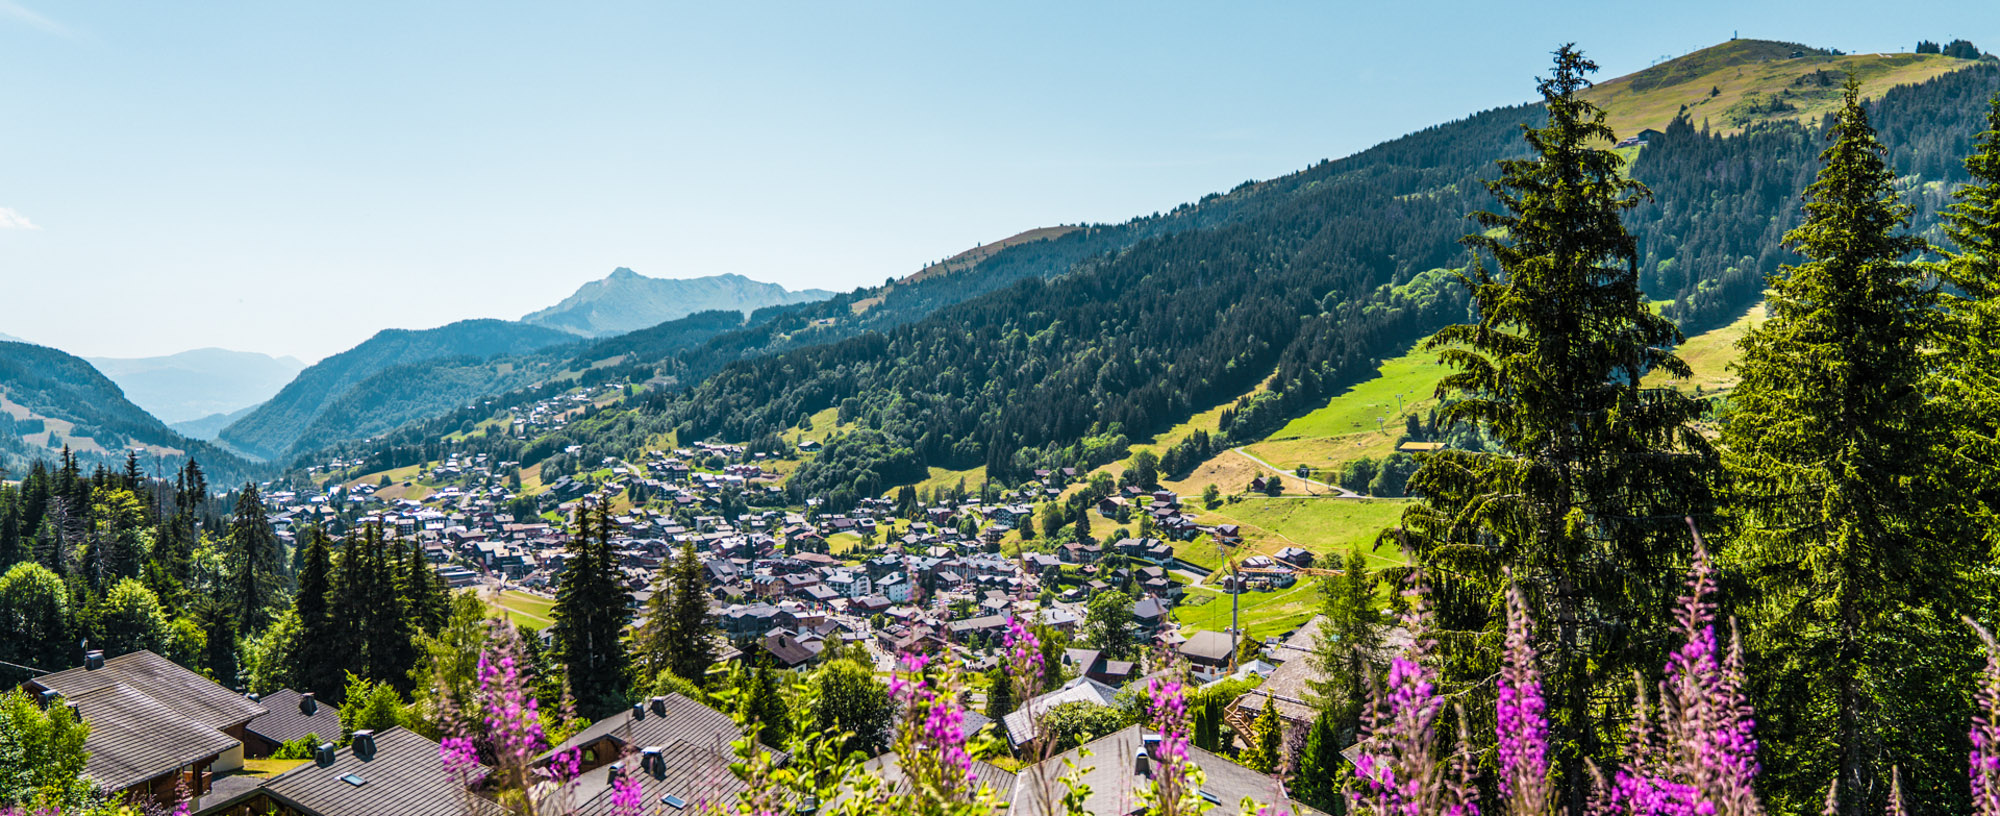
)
(1969, 381)
(677, 637)
(256, 560)
(1851, 551)
(1349, 650)
(1583, 500)
(321, 664)
(589, 617)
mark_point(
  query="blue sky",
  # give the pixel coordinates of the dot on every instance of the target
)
(290, 178)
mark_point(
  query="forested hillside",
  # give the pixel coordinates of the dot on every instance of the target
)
(277, 427)
(1310, 278)
(50, 400)
(1721, 204)
(1056, 351)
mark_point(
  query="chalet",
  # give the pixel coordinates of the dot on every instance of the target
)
(292, 716)
(1125, 761)
(787, 651)
(660, 720)
(1208, 654)
(1148, 616)
(393, 772)
(1295, 556)
(1020, 725)
(1078, 552)
(153, 724)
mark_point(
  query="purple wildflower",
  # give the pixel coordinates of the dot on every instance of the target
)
(1025, 665)
(1175, 788)
(1520, 722)
(1399, 767)
(627, 797)
(1700, 758)
(1984, 761)
(932, 746)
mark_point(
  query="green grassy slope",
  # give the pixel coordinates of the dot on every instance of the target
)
(1745, 81)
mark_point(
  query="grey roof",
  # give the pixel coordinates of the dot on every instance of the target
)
(134, 737)
(1020, 725)
(404, 777)
(1115, 783)
(192, 695)
(984, 774)
(287, 722)
(1209, 645)
(698, 776)
(685, 720)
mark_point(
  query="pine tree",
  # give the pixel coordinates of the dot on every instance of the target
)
(1969, 381)
(589, 617)
(1850, 549)
(320, 663)
(999, 694)
(254, 549)
(1264, 752)
(1316, 781)
(1594, 471)
(677, 632)
(424, 593)
(1349, 652)
(764, 706)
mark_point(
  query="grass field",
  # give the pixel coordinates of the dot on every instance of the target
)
(1320, 526)
(1711, 353)
(1715, 84)
(531, 612)
(1401, 385)
(1262, 614)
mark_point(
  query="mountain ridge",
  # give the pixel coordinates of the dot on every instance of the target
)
(626, 301)
(198, 383)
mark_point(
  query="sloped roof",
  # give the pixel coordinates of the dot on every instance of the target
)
(405, 776)
(192, 695)
(134, 737)
(683, 720)
(696, 775)
(287, 722)
(1114, 782)
(1020, 724)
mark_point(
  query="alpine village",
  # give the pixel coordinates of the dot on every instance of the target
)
(1631, 450)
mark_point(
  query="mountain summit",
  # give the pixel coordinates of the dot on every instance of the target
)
(628, 301)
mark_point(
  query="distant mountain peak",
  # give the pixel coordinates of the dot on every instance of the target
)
(626, 301)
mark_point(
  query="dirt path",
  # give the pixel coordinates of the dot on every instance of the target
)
(1337, 491)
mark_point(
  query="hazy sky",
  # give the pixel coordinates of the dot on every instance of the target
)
(290, 177)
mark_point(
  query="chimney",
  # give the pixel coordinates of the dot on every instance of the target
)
(364, 743)
(617, 770)
(1141, 763)
(638, 711)
(653, 760)
(660, 706)
(50, 697)
(93, 660)
(307, 705)
(323, 755)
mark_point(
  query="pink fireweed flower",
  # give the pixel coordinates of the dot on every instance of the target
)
(461, 760)
(1520, 720)
(931, 747)
(512, 721)
(627, 796)
(1700, 756)
(1025, 665)
(1399, 766)
(1983, 764)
